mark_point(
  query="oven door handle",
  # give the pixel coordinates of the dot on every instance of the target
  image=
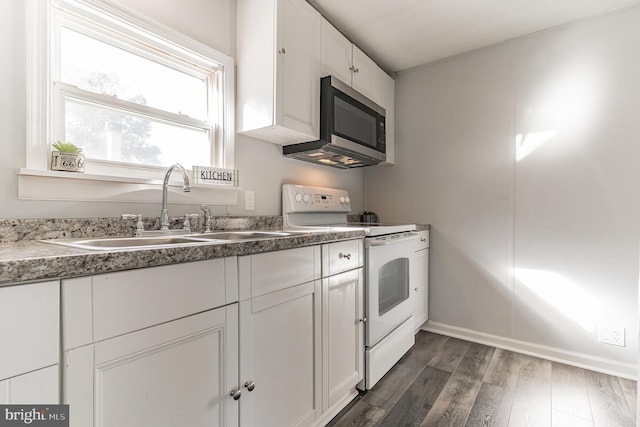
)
(381, 242)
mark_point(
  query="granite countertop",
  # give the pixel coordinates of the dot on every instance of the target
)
(24, 258)
(32, 260)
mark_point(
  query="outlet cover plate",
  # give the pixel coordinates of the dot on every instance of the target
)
(612, 334)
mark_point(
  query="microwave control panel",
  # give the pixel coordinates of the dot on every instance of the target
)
(300, 198)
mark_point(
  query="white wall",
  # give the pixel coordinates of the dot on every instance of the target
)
(212, 22)
(543, 249)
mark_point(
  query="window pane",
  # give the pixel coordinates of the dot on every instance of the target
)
(105, 69)
(110, 134)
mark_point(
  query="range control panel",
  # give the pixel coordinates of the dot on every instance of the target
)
(300, 198)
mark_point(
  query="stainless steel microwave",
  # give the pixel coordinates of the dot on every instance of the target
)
(352, 129)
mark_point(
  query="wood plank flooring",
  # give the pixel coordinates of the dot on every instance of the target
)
(445, 381)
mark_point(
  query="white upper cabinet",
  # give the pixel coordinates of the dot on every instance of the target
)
(278, 70)
(366, 76)
(344, 60)
(337, 53)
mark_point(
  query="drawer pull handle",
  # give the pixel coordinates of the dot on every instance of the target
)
(250, 385)
(422, 239)
(341, 255)
(235, 394)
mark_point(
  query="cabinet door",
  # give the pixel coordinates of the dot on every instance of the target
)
(336, 53)
(39, 387)
(343, 338)
(29, 327)
(365, 75)
(279, 354)
(176, 374)
(420, 283)
(298, 67)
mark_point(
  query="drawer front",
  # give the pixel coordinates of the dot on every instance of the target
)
(130, 300)
(344, 256)
(423, 241)
(29, 327)
(261, 274)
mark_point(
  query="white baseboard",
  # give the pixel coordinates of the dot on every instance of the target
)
(581, 360)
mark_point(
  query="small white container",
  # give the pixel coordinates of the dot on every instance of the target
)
(70, 162)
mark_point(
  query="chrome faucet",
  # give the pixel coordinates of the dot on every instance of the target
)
(164, 217)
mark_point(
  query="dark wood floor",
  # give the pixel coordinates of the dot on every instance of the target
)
(445, 381)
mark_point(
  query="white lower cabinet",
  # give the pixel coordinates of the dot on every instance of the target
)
(343, 338)
(270, 340)
(279, 343)
(155, 347)
(420, 280)
(280, 338)
(301, 334)
(30, 350)
(175, 374)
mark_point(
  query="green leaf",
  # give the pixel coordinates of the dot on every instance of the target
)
(67, 147)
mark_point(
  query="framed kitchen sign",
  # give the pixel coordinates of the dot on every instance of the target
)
(218, 176)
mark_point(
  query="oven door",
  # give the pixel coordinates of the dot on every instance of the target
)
(387, 290)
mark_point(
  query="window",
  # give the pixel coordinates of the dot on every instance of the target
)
(137, 97)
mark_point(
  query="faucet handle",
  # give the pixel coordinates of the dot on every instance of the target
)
(186, 225)
(207, 218)
(139, 223)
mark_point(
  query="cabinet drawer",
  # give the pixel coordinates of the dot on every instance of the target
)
(106, 305)
(29, 327)
(423, 241)
(343, 256)
(261, 274)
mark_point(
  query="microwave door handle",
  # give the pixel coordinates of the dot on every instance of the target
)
(411, 236)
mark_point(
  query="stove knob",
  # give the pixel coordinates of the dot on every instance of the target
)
(347, 200)
(306, 198)
(342, 200)
(298, 197)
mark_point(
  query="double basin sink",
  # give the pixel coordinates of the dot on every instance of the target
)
(168, 241)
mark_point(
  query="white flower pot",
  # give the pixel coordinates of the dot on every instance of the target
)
(70, 162)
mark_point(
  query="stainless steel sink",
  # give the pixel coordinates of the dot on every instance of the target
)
(240, 235)
(166, 241)
(129, 242)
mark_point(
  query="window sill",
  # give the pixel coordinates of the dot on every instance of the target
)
(35, 184)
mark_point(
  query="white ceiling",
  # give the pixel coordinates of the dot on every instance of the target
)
(401, 34)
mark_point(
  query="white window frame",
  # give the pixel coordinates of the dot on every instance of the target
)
(36, 181)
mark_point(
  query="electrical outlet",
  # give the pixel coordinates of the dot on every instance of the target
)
(612, 334)
(249, 200)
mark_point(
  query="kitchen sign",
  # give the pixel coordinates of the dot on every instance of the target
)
(219, 176)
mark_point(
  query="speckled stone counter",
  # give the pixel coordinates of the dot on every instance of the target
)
(23, 258)
(31, 260)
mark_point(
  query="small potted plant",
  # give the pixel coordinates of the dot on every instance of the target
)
(67, 157)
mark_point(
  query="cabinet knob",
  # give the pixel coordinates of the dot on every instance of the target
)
(363, 320)
(341, 255)
(422, 239)
(235, 394)
(250, 385)
(416, 289)
(282, 50)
